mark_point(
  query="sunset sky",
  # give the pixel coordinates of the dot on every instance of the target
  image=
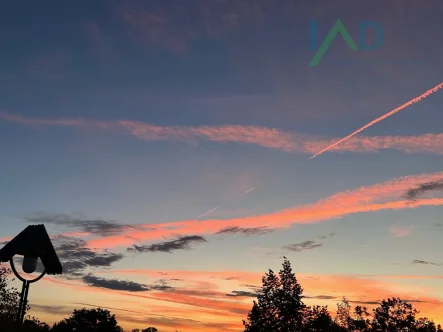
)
(165, 146)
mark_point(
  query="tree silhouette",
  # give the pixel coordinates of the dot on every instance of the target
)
(149, 329)
(9, 297)
(353, 321)
(279, 306)
(425, 325)
(319, 320)
(394, 315)
(89, 320)
(34, 325)
(9, 300)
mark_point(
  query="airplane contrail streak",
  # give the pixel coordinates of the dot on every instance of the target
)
(207, 212)
(373, 122)
(238, 196)
(246, 192)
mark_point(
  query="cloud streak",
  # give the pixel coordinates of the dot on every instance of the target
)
(89, 226)
(401, 231)
(244, 231)
(182, 243)
(413, 193)
(114, 284)
(303, 246)
(378, 197)
(76, 257)
(381, 118)
(420, 262)
(236, 293)
(270, 138)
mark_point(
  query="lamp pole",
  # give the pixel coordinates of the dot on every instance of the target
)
(24, 294)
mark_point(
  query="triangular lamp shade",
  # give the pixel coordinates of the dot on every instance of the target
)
(33, 241)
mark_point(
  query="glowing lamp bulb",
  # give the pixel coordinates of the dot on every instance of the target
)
(29, 264)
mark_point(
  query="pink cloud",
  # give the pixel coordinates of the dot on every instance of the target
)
(401, 231)
(378, 197)
(270, 138)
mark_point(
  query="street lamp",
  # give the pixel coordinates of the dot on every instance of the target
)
(32, 243)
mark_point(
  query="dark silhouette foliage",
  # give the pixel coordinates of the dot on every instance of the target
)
(9, 297)
(89, 320)
(279, 307)
(34, 325)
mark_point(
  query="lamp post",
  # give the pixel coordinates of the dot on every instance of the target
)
(32, 243)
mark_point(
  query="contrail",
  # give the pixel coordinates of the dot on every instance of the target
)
(398, 109)
(245, 192)
(207, 212)
(217, 207)
(373, 122)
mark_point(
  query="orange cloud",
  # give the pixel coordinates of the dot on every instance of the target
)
(270, 138)
(383, 196)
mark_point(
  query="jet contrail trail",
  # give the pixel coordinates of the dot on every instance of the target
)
(373, 122)
(207, 212)
(245, 192)
(217, 207)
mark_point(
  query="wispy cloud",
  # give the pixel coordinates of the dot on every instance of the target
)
(324, 237)
(99, 41)
(170, 27)
(245, 231)
(378, 197)
(303, 246)
(89, 226)
(76, 257)
(420, 262)
(413, 193)
(401, 231)
(53, 309)
(236, 293)
(322, 297)
(181, 243)
(114, 284)
(270, 138)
